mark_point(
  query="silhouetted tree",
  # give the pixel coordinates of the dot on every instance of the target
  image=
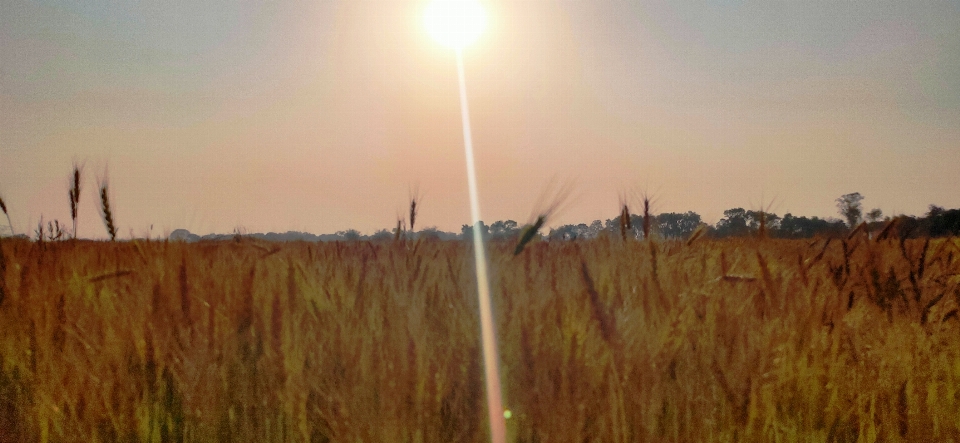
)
(791, 226)
(432, 233)
(349, 235)
(381, 235)
(572, 232)
(850, 208)
(875, 215)
(675, 224)
(612, 226)
(565, 232)
(504, 229)
(909, 226)
(595, 228)
(771, 221)
(941, 222)
(733, 223)
(466, 232)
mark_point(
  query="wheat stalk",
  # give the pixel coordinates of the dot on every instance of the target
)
(528, 233)
(862, 227)
(605, 321)
(645, 200)
(105, 211)
(887, 230)
(414, 201)
(3, 206)
(697, 234)
(39, 232)
(413, 214)
(3, 273)
(625, 224)
(75, 196)
(556, 202)
(762, 232)
(398, 234)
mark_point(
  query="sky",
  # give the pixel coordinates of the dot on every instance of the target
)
(323, 116)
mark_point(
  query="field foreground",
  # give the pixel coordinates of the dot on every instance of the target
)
(740, 340)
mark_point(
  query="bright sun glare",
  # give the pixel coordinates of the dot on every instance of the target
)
(455, 23)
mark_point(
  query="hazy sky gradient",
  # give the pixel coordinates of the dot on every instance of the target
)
(319, 116)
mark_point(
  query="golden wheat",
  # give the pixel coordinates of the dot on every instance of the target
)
(74, 195)
(733, 340)
(106, 213)
(557, 198)
(3, 206)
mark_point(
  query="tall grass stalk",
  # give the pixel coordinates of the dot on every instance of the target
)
(40, 232)
(625, 225)
(398, 233)
(647, 215)
(763, 230)
(887, 230)
(414, 210)
(697, 233)
(105, 211)
(3, 275)
(75, 195)
(557, 196)
(3, 206)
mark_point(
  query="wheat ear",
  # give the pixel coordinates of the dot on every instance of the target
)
(645, 200)
(3, 206)
(75, 197)
(557, 202)
(107, 214)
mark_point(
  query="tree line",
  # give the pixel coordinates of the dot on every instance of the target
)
(739, 222)
(736, 222)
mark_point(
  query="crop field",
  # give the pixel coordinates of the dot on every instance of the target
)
(599, 341)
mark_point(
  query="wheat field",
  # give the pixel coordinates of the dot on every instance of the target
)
(599, 341)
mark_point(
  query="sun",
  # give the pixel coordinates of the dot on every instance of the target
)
(455, 23)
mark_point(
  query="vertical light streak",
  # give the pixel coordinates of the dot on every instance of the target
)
(498, 428)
